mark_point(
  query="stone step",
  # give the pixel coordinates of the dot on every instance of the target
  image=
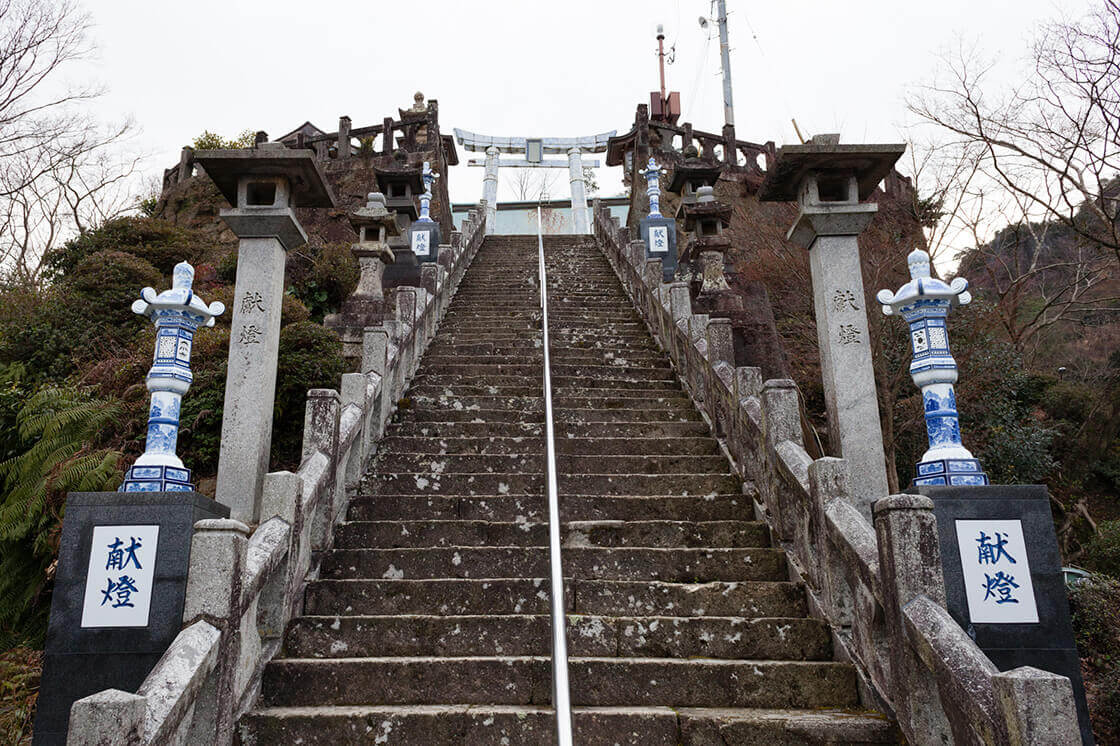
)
(535, 391)
(483, 483)
(447, 533)
(567, 431)
(498, 725)
(421, 413)
(683, 446)
(600, 636)
(529, 461)
(532, 508)
(528, 680)
(444, 596)
(488, 372)
(671, 565)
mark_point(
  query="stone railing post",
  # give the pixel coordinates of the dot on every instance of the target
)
(781, 421)
(355, 391)
(320, 433)
(107, 718)
(1037, 706)
(829, 479)
(218, 556)
(910, 566)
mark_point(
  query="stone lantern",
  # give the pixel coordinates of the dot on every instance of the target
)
(658, 232)
(375, 226)
(264, 184)
(831, 183)
(177, 314)
(706, 253)
(924, 303)
(691, 174)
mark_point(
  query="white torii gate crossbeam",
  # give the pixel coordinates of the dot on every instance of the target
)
(533, 149)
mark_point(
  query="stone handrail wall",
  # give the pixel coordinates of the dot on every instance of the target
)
(244, 585)
(872, 568)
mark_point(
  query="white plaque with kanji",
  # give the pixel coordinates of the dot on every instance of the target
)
(421, 243)
(997, 573)
(658, 239)
(122, 565)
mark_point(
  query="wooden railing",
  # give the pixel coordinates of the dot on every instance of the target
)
(873, 574)
(244, 585)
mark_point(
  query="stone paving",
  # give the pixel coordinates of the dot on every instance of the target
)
(429, 623)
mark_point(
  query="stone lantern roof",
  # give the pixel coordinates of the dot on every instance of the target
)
(693, 171)
(703, 209)
(370, 219)
(924, 287)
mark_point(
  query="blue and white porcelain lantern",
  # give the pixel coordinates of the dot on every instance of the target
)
(424, 234)
(177, 314)
(924, 303)
(658, 232)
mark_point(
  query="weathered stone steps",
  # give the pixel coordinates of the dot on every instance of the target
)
(525, 680)
(588, 636)
(503, 596)
(390, 534)
(532, 508)
(459, 445)
(493, 725)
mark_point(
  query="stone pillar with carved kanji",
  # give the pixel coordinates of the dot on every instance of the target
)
(264, 184)
(831, 182)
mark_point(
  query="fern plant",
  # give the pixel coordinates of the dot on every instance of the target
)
(63, 432)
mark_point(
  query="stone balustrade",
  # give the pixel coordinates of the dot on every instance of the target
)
(245, 584)
(871, 567)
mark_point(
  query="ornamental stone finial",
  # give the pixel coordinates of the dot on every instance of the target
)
(177, 314)
(925, 302)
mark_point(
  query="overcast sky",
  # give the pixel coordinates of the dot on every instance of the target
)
(501, 67)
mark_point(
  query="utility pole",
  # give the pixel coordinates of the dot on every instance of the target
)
(661, 56)
(725, 61)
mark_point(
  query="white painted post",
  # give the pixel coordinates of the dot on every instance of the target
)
(579, 194)
(490, 189)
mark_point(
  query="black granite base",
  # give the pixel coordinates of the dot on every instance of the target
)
(78, 662)
(1047, 645)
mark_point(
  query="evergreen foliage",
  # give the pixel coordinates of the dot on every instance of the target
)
(63, 430)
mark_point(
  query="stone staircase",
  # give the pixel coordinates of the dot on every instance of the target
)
(429, 622)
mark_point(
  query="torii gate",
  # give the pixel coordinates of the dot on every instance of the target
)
(533, 150)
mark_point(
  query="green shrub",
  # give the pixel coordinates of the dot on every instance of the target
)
(161, 243)
(1093, 603)
(212, 141)
(200, 419)
(310, 357)
(1103, 552)
(20, 669)
(322, 277)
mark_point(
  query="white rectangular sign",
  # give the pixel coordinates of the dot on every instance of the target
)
(421, 243)
(997, 573)
(122, 564)
(658, 239)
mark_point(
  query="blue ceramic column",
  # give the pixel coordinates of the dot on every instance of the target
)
(924, 303)
(177, 313)
(657, 231)
(424, 234)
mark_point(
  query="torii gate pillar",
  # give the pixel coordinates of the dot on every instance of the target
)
(490, 189)
(580, 223)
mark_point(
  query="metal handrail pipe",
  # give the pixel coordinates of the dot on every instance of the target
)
(561, 695)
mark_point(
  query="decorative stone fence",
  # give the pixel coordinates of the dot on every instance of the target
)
(871, 567)
(245, 584)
